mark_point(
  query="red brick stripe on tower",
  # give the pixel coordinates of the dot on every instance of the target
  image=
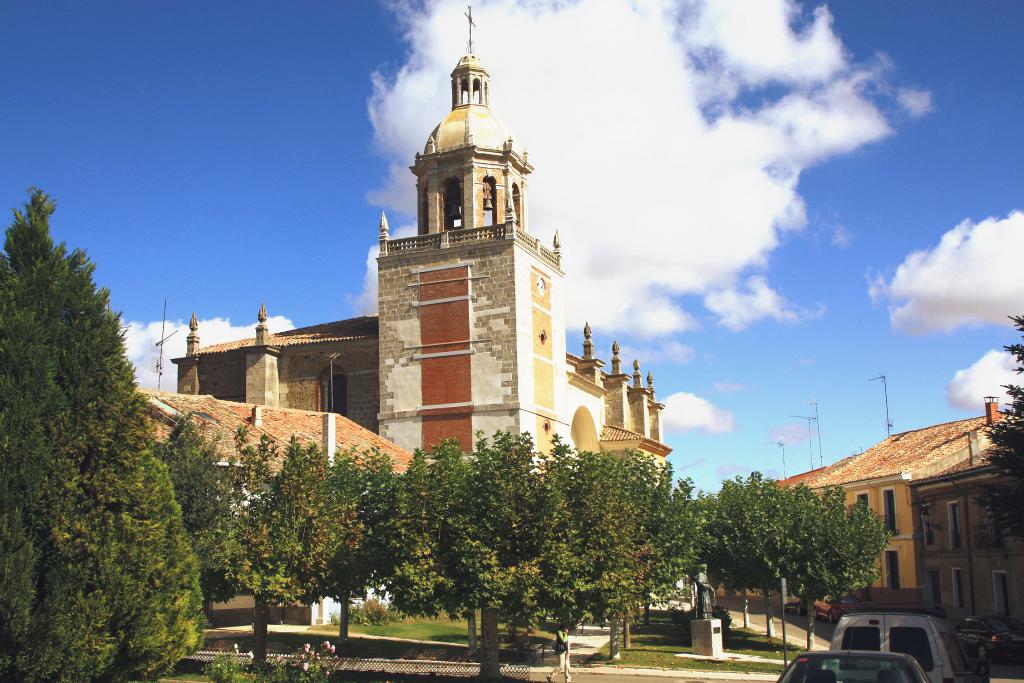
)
(446, 377)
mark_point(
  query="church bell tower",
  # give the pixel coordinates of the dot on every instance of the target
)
(472, 334)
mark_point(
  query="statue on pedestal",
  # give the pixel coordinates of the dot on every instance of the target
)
(703, 593)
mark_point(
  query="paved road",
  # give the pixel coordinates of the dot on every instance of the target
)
(796, 626)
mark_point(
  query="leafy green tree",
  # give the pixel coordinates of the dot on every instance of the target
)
(285, 526)
(99, 581)
(748, 531)
(1007, 455)
(366, 488)
(832, 549)
(202, 488)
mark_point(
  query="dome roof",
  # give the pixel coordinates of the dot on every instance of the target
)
(469, 124)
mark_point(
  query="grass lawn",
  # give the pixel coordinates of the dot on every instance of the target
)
(657, 644)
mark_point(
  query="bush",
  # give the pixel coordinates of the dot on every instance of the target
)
(225, 668)
(372, 612)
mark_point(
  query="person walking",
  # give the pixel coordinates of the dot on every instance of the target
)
(562, 650)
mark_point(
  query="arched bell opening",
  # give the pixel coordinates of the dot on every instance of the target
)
(490, 201)
(464, 91)
(517, 202)
(452, 204)
(477, 92)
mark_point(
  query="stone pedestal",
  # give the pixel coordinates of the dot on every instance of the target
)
(706, 636)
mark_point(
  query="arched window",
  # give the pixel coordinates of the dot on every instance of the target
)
(334, 392)
(464, 88)
(452, 204)
(477, 95)
(517, 202)
(490, 202)
(584, 431)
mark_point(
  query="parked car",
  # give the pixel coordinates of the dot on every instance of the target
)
(795, 606)
(925, 635)
(992, 637)
(853, 667)
(834, 609)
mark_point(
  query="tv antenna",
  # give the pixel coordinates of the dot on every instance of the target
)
(810, 440)
(160, 346)
(782, 446)
(885, 390)
(817, 424)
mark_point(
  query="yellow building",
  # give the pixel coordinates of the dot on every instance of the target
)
(881, 478)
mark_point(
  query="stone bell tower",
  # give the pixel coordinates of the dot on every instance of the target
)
(472, 334)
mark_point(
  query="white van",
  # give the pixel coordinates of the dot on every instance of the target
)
(928, 638)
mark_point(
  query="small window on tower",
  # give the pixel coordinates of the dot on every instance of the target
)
(477, 96)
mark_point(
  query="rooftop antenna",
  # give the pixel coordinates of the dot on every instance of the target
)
(885, 390)
(817, 424)
(160, 346)
(782, 445)
(810, 441)
(469, 18)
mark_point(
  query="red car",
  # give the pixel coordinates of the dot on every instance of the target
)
(834, 609)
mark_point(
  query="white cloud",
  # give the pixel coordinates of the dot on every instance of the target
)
(664, 181)
(916, 102)
(841, 237)
(788, 434)
(971, 277)
(736, 309)
(140, 340)
(985, 377)
(685, 412)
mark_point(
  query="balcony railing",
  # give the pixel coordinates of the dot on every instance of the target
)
(449, 238)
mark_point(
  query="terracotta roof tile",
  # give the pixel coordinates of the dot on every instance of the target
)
(219, 420)
(340, 330)
(619, 434)
(905, 452)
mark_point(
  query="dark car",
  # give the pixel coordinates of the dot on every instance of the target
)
(992, 637)
(833, 610)
(844, 666)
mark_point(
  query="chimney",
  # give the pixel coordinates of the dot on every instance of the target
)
(257, 416)
(992, 413)
(329, 436)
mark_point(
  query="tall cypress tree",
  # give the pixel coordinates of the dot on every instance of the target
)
(97, 577)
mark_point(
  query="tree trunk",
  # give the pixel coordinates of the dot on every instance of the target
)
(746, 609)
(345, 601)
(768, 615)
(471, 628)
(261, 614)
(809, 606)
(627, 641)
(489, 667)
(613, 639)
(647, 614)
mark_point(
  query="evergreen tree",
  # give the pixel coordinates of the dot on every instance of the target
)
(1007, 454)
(98, 579)
(203, 490)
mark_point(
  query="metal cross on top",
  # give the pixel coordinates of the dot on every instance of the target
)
(469, 17)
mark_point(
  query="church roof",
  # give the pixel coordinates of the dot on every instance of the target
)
(618, 435)
(364, 327)
(917, 450)
(218, 420)
(471, 124)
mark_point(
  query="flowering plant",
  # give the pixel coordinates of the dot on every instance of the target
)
(308, 665)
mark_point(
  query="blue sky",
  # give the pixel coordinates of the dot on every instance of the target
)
(762, 173)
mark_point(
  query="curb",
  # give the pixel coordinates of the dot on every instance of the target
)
(663, 673)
